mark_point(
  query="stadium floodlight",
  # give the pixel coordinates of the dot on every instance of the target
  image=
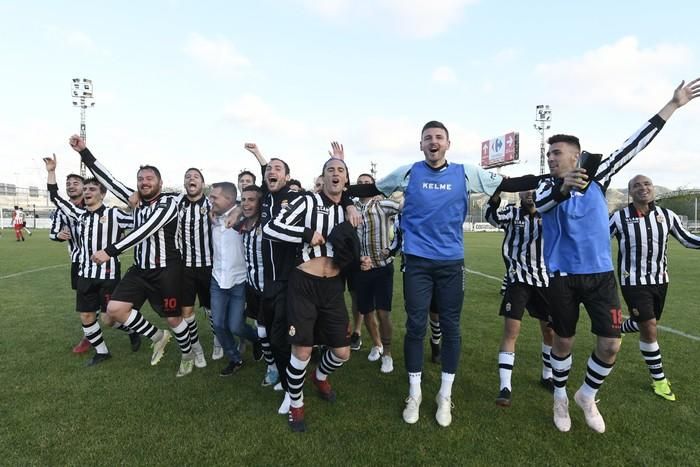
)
(543, 117)
(81, 92)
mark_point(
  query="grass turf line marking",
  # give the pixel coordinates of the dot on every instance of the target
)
(664, 328)
(31, 271)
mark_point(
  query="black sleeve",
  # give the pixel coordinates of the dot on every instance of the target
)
(522, 183)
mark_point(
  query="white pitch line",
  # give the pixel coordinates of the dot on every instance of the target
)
(33, 271)
(664, 328)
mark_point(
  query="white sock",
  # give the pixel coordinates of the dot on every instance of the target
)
(414, 384)
(446, 386)
(546, 370)
(506, 360)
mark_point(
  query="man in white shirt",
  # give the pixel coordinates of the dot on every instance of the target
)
(228, 279)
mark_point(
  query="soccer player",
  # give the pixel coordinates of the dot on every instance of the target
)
(195, 244)
(578, 259)
(156, 275)
(435, 205)
(642, 230)
(18, 223)
(98, 227)
(316, 306)
(228, 284)
(526, 286)
(374, 283)
(24, 221)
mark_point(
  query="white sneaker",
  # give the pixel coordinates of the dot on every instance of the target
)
(159, 348)
(444, 410)
(561, 414)
(199, 360)
(278, 387)
(410, 413)
(217, 352)
(284, 408)
(375, 354)
(186, 367)
(387, 364)
(590, 411)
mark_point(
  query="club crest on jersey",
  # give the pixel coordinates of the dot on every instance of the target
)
(103, 219)
(659, 219)
(284, 203)
(292, 331)
(202, 210)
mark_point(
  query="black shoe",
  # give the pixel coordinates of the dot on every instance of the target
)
(503, 399)
(135, 342)
(257, 351)
(548, 384)
(98, 358)
(231, 368)
(435, 348)
(355, 341)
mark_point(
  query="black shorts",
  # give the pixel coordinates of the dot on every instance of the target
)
(74, 268)
(519, 296)
(94, 294)
(645, 302)
(162, 288)
(374, 289)
(196, 283)
(597, 292)
(253, 304)
(316, 311)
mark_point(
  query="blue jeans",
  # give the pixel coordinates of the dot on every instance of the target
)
(446, 278)
(228, 313)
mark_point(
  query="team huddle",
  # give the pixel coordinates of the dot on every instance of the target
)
(284, 257)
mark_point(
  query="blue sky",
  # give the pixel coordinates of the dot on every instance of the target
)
(184, 83)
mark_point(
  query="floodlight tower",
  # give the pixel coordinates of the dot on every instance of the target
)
(543, 117)
(81, 91)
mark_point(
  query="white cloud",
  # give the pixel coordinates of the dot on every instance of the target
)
(622, 74)
(252, 111)
(74, 39)
(444, 74)
(219, 55)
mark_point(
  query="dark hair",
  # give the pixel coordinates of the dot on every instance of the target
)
(254, 188)
(75, 176)
(347, 172)
(286, 167)
(569, 139)
(96, 182)
(246, 172)
(227, 187)
(366, 175)
(152, 168)
(294, 181)
(434, 124)
(191, 168)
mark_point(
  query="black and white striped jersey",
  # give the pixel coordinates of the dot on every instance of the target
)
(96, 230)
(253, 252)
(309, 213)
(59, 221)
(194, 231)
(154, 234)
(643, 241)
(522, 244)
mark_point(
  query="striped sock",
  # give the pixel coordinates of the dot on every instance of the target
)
(141, 325)
(265, 343)
(506, 360)
(182, 336)
(194, 332)
(561, 366)
(296, 371)
(652, 356)
(435, 331)
(596, 371)
(93, 333)
(120, 326)
(329, 363)
(629, 326)
(546, 362)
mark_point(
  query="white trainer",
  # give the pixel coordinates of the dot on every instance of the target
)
(444, 410)
(159, 348)
(199, 360)
(217, 352)
(593, 418)
(186, 367)
(278, 387)
(387, 364)
(561, 414)
(410, 413)
(286, 403)
(375, 354)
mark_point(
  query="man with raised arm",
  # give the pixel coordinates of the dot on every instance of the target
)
(156, 275)
(578, 259)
